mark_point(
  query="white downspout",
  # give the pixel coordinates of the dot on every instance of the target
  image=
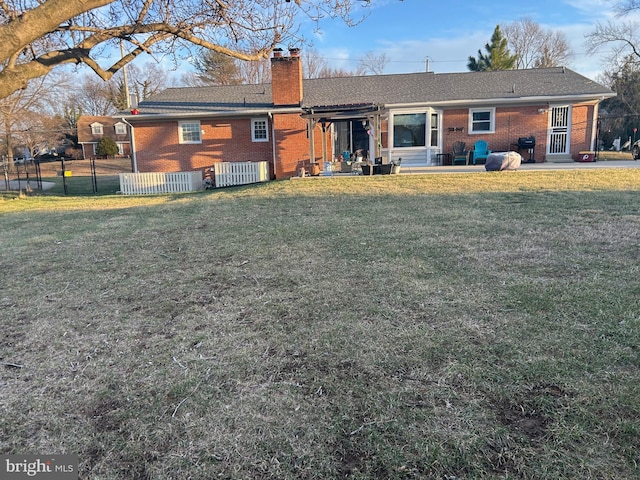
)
(273, 143)
(594, 128)
(133, 147)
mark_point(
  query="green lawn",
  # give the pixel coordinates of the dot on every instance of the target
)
(395, 327)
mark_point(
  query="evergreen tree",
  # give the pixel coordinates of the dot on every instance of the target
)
(497, 57)
(107, 146)
(215, 68)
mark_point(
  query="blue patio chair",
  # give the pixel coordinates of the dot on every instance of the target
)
(480, 152)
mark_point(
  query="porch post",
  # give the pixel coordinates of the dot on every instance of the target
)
(312, 153)
(324, 144)
(378, 136)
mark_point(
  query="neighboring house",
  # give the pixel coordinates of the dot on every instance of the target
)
(92, 129)
(413, 116)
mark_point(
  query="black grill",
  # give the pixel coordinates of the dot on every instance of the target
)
(528, 145)
(526, 142)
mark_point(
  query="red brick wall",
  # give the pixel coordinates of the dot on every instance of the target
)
(514, 122)
(292, 143)
(224, 140)
(286, 80)
(510, 124)
(581, 128)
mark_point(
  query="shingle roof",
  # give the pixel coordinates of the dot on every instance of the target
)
(441, 89)
(209, 99)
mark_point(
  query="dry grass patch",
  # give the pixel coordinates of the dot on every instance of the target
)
(348, 328)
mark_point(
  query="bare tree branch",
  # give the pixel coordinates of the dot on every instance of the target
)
(621, 37)
(536, 47)
(40, 35)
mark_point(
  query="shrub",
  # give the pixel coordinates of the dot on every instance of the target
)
(108, 147)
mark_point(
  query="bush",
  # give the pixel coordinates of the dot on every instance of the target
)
(108, 147)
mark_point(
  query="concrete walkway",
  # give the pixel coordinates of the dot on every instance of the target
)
(412, 170)
(24, 185)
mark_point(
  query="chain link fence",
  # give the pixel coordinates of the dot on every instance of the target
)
(65, 177)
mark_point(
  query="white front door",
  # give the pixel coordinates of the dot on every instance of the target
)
(558, 141)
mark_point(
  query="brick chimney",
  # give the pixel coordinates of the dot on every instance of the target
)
(286, 79)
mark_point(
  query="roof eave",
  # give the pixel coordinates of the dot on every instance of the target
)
(531, 100)
(206, 114)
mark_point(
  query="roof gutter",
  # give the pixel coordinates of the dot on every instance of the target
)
(508, 101)
(208, 114)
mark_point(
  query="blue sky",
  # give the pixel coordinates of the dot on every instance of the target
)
(449, 31)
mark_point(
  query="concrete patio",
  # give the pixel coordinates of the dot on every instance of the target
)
(412, 170)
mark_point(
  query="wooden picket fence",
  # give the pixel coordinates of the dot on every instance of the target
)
(159, 182)
(228, 174)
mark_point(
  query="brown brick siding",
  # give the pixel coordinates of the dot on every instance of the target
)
(510, 124)
(292, 143)
(158, 148)
(224, 140)
(286, 78)
(514, 122)
(581, 122)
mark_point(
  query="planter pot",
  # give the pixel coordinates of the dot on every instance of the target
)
(314, 169)
(385, 169)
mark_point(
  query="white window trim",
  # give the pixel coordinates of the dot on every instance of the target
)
(412, 111)
(438, 127)
(189, 122)
(492, 120)
(97, 129)
(253, 129)
(120, 126)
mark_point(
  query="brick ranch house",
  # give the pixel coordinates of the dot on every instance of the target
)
(413, 116)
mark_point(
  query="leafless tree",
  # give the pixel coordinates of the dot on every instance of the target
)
(622, 37)
(328, 72)
(313, 63)
(624, 7)
(316, 66)
(20, 111)
(37, 36)
(44, 134)
(145, 80)
(92, 97)
(372, 63)
(255, 72)
(536, 47)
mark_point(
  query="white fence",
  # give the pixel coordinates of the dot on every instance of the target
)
(157, 182)
(227, 174)
(240, 173)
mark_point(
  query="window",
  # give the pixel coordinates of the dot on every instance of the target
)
(482, 120)
(96, 128)
(259, 132)
(189, 132)
(409, 130)
(121, 128)
(435, 134)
